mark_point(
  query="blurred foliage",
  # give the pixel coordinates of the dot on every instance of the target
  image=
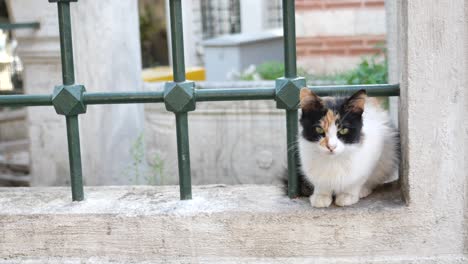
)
(270, 70)
(370, 70)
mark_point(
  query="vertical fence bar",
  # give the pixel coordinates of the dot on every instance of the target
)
(177, 39)
(183, 151)
(183, 156)
(74, 156)
(66, 47)
(68, 76)
(290, 71)
(291, 134)
(289, 29)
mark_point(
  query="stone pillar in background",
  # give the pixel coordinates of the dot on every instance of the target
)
(40, 53)
(107, 58)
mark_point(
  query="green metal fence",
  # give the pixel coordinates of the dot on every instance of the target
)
(180, 97)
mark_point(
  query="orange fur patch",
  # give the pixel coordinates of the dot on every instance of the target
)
(309, 101)
(358, 101)
(328, 120)
(324, 142)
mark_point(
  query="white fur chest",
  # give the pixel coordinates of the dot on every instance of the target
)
(328, 172)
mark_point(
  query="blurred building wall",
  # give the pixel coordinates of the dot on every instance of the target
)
(332, 35)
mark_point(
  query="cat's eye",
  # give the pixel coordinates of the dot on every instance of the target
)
(343, 131)
(319, 130)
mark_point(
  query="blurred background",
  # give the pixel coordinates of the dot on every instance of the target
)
(125, 45)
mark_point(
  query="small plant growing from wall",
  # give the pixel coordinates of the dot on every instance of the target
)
(140, 171)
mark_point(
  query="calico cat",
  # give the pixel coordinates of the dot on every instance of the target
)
(347, 147)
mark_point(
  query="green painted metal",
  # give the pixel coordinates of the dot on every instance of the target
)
(66, 46)
(123, 97)
(25, 100)
(289, 28)
(287, 92)
(68, 99)
(234, 94)
(74, 155)
(179, 96)
(225, 94)
(177, 39)
(371, 89)
(291, 139)
(24, 25)
(183, 155)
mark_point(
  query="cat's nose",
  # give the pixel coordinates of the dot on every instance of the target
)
(331, 147)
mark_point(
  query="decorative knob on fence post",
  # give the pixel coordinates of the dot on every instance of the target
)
(287, 92)
(179, 96)
(68, 99)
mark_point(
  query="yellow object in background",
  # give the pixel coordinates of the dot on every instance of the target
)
(164, 74)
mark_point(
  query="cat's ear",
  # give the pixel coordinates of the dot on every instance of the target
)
(356, 102)
(309, 100)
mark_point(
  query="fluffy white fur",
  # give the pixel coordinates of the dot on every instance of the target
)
(352, 171)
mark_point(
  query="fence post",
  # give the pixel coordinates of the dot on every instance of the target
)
(287, 94)
(68, 98)
(179, 97)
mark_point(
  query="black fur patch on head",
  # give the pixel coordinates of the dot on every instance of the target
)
(348, 112)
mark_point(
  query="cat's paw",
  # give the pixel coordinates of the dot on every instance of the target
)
(364, 192)
(345, 199)
(320, 200)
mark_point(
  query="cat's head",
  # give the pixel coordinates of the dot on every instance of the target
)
(333, 123)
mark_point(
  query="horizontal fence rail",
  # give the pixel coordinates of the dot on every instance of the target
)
(180, 96)
(24, 25)
(201, 95)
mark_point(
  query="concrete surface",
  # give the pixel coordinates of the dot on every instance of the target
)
(222, 224)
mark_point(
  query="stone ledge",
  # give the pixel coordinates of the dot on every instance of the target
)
(448, 259)
(164, 201)
(222, 224)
